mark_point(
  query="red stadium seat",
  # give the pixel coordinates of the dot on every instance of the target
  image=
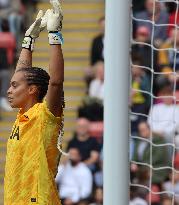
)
(176, 161)
(7, 40)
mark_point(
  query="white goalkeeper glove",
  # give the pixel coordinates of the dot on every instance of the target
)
(34, 30)
(54, 23)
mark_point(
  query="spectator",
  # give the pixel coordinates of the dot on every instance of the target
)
(8, 41)
(138, 201)
(162, 124)
(144, 51)
(155, 198)
(74, 179)
(136, 198)
(4, 80)
(160, 157)
(7, 49)
(140, 101)
(90, 73)
(11, 10)
(141, 175)
(166, 200)
(161, 83)
(98, 198)
(92, 109)
(88, 146)
(97, 49)
(96, 88)
(166, 58)
(172, 185)
(160, 16)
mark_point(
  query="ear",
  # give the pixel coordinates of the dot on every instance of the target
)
(33, 90)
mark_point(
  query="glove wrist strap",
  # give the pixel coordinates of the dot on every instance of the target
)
(55, 38)
(28, 43)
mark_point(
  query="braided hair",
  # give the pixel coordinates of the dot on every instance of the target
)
(39, 77)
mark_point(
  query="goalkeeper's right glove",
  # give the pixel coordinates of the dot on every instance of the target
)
(34, 30)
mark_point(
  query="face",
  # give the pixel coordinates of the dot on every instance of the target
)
(136, 71)
(168, 100)
(75, 157)
(82, 127)
(19, 91)
(144, 130)
(149, 6)
(142, 37)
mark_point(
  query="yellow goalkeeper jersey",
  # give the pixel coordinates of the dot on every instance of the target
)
(32, 159)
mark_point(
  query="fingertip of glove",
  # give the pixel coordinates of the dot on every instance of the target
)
(56, 4)
(40, 14)
(48, 11)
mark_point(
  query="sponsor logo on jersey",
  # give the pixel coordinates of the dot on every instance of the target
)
(33, 199)
(15, 133)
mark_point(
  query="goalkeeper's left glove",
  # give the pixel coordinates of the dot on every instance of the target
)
(54, 23)
(34, 30)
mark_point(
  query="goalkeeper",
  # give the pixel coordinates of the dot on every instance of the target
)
(32, 154)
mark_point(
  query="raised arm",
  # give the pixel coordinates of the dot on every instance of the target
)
(53, 20)
(54, 96)
(25, 59)
(55, 89)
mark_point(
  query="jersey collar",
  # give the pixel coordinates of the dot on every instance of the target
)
(27, 115)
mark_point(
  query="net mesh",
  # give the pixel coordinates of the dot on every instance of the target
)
(155, 178)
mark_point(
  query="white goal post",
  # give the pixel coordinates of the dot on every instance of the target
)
(116, 124)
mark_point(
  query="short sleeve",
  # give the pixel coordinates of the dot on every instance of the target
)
(48, 115)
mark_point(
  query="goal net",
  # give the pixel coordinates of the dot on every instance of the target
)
(154, 103)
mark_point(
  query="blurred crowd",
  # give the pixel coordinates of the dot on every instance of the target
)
(80, 176)
(154, 98)
(14, 20)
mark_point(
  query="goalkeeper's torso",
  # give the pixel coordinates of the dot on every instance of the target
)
(32, 159)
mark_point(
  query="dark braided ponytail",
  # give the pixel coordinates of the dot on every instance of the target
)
(39, 77)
